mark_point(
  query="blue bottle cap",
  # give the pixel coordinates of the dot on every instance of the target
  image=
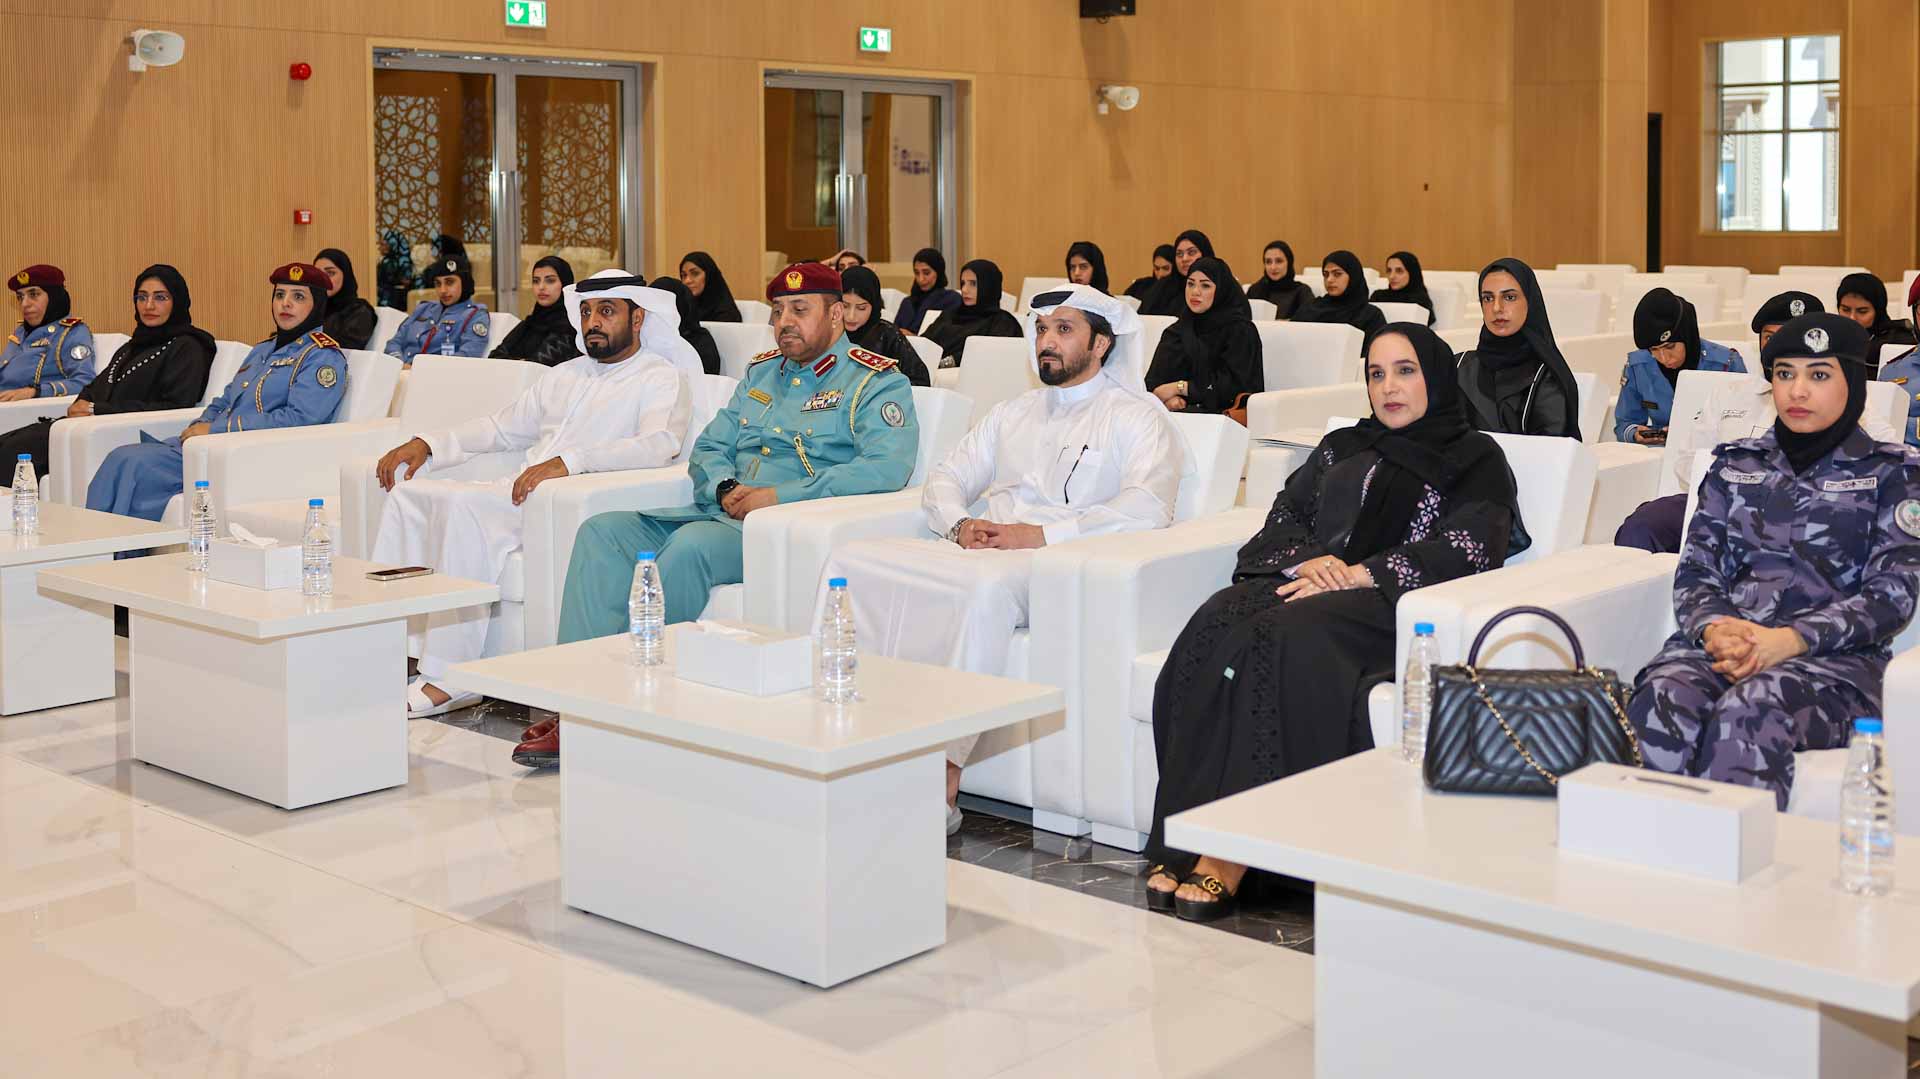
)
(836, 582)
(313, 503)
(197, 484)
(1866, 725)
(24, 457)
(644, 556)
(1424, 629)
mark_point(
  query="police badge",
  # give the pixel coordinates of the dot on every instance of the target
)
(1907, 516)
(1816, 339)
(1798, 307)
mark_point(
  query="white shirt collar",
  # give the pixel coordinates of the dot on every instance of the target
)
(1059, 397)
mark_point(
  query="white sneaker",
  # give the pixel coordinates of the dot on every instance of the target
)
(954, 817)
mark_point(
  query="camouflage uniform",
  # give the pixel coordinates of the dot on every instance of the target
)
(1830, 553)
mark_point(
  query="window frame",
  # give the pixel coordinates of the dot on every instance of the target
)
(1715, 132)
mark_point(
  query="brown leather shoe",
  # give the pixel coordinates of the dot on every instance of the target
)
(541, 752)
(541, 729)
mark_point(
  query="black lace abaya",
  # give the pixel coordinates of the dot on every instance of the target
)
(1257, 688)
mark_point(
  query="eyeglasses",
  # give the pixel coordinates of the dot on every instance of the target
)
(151, 297)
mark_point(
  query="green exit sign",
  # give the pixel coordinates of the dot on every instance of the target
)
(527, 13)
(876, 39)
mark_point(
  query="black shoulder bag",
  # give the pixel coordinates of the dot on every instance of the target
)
(1518, 732)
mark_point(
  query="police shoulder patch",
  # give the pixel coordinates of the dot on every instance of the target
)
(893, 415)
(764, 356)
(871, 359)
(481, 327)
(327, 377)
(71, 320)
(320, 338)
(1907, 516)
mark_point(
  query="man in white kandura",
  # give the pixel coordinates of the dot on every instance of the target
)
(1090, 454)
(625, 403)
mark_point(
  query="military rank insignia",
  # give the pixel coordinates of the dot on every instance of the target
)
(821, 401)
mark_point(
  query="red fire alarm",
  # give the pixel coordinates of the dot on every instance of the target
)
(303, 217)
(300, 72)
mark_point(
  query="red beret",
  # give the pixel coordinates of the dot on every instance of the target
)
(38, 275)
(301, 273)
(803, 278)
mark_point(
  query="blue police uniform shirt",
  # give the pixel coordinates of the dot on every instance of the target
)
(296, 384)
(1646, 397)
(1904, 372)
(436, 329)
(55, 359)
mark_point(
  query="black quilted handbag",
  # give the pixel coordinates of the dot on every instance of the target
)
(1518, 732)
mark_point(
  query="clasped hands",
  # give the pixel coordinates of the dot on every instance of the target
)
(978, 535)
(743, 500)
(1741, 649)
(412, 455)
(1324, 574)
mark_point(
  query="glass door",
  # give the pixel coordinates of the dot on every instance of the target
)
(518, 159)
(865, 164)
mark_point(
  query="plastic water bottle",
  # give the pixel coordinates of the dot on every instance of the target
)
(26, 497)
(199, 528)
(316, 553)
(1866, 813)
(1416, 693)
(838, 661)
(647, 613)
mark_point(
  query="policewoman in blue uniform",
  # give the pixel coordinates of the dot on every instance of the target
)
(295, 378)
(50, 353)
(1667, 329)
(1797, 572)
(1904, 372)
(813, 418)
(453, 325)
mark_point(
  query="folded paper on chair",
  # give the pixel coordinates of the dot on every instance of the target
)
(742, 658)
(242, 563)
(1673, 823)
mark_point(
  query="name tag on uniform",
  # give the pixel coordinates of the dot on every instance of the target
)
(1731, 476)
(1864, 483)
(1650, 406)
(761, 396)
(823, 400)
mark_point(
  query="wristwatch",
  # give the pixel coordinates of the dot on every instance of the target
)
(720, 489)
(953, 534)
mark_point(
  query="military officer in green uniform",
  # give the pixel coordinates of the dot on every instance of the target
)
(814, 418)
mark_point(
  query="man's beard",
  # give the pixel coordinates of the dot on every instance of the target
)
(613, 346)
(1062, 373)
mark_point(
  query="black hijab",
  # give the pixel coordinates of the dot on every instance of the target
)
(715, 302)
(1663, 318)
(59, 306)
(1352, 306)
(1847, 342)
(1874, 291)
(281, 338)
(936, 262)
(349, 284)
(178, 324)
(1436, 450)
(1169, 294)
(1229, 308)
(1416, 290)
(1143, 285)
(1090, 251)
(865, 284)
(1533, 344)
(982, 318)
(690, 329)
(1284, 294)
(545, 320)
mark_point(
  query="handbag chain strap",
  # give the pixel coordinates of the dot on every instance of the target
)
(1606, 690)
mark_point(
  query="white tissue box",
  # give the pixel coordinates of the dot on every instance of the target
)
(265, 568)
(742, 658)
(1675, 823)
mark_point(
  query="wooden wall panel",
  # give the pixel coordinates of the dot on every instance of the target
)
(1375, 125)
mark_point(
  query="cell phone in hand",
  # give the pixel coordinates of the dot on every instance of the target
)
(398, 573)
(1651, 436)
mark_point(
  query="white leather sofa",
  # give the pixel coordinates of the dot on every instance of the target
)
(1040, 763)
(1140, 591)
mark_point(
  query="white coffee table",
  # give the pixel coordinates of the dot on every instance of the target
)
(798, 836)
(55, 651)
(274, 695)
(1452, 938)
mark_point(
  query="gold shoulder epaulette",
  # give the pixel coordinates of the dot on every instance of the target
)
(71, 320)
(767, 355)
(871, 359)
(320, 338)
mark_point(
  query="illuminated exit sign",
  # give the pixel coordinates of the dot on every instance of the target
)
(876, 39)
(531, 14)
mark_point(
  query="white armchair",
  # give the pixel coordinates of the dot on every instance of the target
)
(528, 613)
(1034, 764)
(262, 479)
(995, 369)
(16, 414)
(739, 343)
(1299, 354)
(386, 322)
(1141, 590)
(77, 446)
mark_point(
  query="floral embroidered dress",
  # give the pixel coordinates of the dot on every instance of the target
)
(1257, 688)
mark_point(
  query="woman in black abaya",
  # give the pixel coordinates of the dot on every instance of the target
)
(712, 298)
(1087, 265)
(1162, 266)
(1270, 676)
(1277, 285)
(1515, 379)
(1208, 362)
(979, 313)
(1346, 298)
(1169, 294)
(860, 292)
(1405, 283)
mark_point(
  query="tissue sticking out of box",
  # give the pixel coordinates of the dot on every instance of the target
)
(241, 534)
